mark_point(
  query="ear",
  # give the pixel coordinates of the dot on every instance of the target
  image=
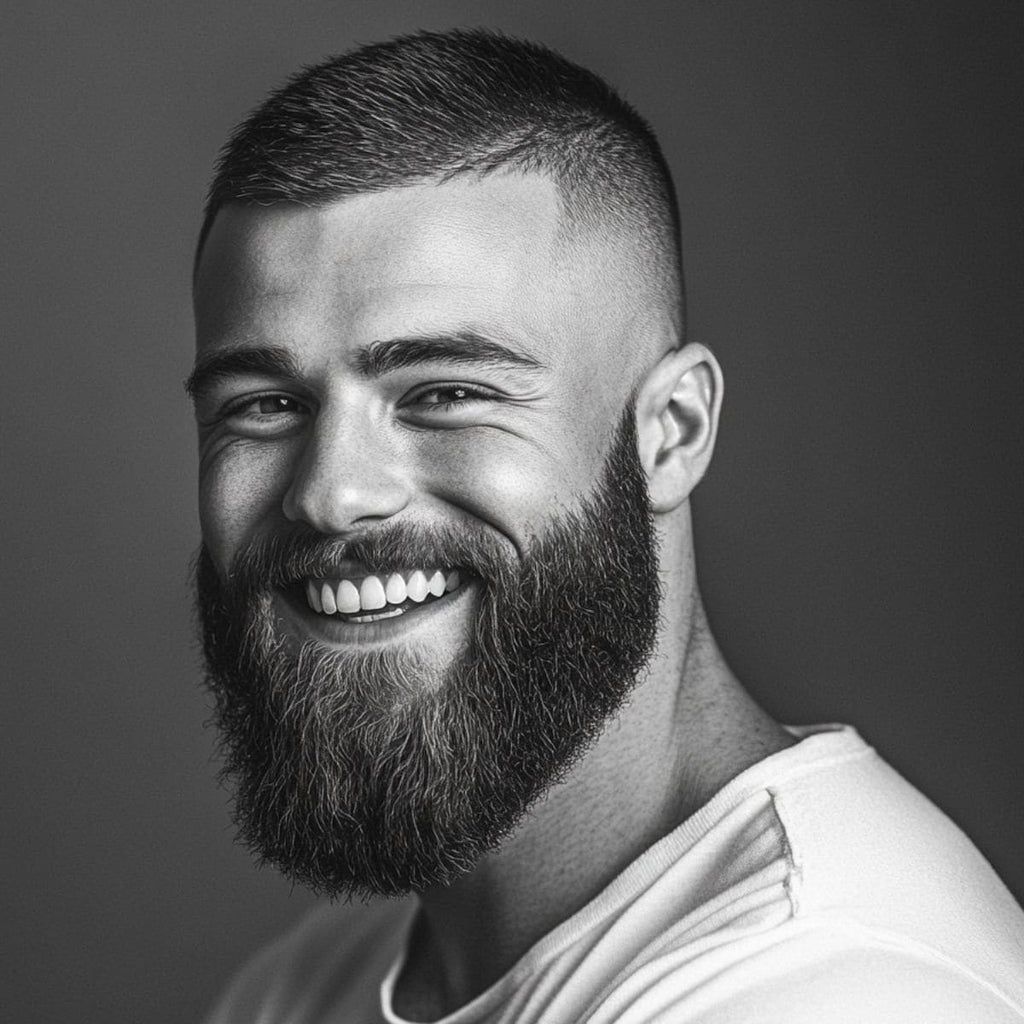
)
(677, 421)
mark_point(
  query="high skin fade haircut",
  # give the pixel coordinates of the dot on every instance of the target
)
(433, 106)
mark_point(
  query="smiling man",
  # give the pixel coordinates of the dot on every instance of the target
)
(449, 426)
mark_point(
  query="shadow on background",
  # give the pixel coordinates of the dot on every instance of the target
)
(851, 208)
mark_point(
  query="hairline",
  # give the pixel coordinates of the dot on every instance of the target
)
(577, 224)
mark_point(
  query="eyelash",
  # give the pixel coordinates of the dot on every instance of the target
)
(243, 416)
(468, 394)
(240, 407)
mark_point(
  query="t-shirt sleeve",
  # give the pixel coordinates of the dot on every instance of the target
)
(863, 987)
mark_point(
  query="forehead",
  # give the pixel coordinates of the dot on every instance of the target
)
(459, 249)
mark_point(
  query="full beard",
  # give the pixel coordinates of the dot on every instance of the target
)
(359, 773)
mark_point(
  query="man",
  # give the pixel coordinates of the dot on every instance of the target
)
(449, 426)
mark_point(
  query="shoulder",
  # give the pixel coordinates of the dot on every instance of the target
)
(871, 854)
(818, 973)
(866, 904)
(333, 952)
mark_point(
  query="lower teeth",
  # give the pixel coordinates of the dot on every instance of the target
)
(384, 613)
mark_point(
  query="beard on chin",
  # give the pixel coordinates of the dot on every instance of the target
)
(382, 772)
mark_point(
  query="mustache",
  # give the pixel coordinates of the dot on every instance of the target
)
(297, 551)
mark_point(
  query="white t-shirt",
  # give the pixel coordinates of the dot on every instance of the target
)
(817, 887)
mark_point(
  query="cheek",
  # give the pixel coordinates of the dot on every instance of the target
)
(514, 485)
(240, 487)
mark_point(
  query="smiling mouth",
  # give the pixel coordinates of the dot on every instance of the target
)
(370, 598)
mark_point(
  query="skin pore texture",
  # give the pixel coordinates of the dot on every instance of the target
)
(339, 433)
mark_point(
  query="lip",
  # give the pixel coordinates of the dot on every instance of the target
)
(348, 570)
(450, 612)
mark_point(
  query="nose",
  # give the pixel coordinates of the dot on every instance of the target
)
(347, 477)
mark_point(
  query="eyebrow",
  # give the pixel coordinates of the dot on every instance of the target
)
(461, 348)
(265, 361)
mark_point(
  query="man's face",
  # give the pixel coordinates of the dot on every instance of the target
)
(428, 570)
(378, 301)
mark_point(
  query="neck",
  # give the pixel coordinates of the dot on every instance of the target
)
(687, 730)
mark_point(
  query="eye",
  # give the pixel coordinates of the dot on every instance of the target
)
(446, 397)
(270, 415)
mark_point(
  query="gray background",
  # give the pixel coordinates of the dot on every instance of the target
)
(850, 180)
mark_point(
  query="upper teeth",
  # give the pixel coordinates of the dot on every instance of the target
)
(372, 593)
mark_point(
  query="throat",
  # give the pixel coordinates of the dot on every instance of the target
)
(428, 987)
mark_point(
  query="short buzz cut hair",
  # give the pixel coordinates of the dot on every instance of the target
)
(431, 106)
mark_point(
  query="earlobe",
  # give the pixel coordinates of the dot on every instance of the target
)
(677, 421)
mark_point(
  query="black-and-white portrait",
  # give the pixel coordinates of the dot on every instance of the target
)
(517, 514)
